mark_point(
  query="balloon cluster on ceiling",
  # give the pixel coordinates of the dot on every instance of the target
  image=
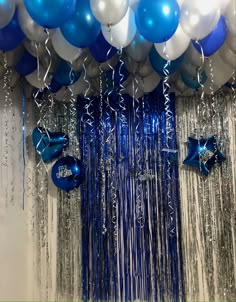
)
(128, 41)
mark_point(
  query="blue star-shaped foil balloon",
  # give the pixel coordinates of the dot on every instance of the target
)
(203, 153)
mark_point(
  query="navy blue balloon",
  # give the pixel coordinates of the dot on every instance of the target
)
(64, 75)
(101, 49)
(203, 154)
(50, 13)
(193, 82)
(214, 40)
(54, 86)
(157, 20)
(83, 28)
(158, 63)
(27, 64)
(49, 144)
(11, 36)
(68, 173)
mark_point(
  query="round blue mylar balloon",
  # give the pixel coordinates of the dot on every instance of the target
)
(101, 49)
(192, 82)
(83, 28)
(214, 40)
(157, 20)
(50, 13)
(11, 35)
(27, 64)
(64, 75)
(158, 63)
(67, 173)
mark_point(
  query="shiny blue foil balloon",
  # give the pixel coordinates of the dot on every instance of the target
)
(64, 75)
(211, 43)
(157, 20)
(11, 36)
(203, 154)
(193, 82)
(48, 144)
(158, 63)
(27, 64)
(83, 28)
(101, 49)
(50, 13)
(68, 173)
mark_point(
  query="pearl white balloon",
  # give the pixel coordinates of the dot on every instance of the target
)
(109, 12)
(63, 48)
(199, 17)
(230, 16)
(139, 48)
(221, 71)
(231, 42)
(7, 10)
(121, 34)
(175, 46)
(228, 56)
(29, 27)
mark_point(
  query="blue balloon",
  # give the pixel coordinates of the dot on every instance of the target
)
(192, 82)
(158, 63)
(54, 86)
(64, 75)
(214, 40)
(68, 173)
(48, 144)
(82, 29)
(101, 49)
(27, 64)
(203, 154)
(157, 20)
(50, 13)
(11, 36)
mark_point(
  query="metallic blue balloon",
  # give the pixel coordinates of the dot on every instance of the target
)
(157, 20)
(48, 144)
(158, 63)
(83, 28)
(27, 64)
(64, 75)
(11, 36)
(192, 82)
(68, 173)
(203, 154)
(50, 13)
(211, 43)
(101, 49)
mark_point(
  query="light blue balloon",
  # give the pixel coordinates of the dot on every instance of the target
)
(50, 13)
(83, 28)
(157, 20)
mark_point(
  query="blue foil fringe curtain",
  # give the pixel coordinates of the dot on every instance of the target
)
(128, 251)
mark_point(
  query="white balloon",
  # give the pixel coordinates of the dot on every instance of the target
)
(109, 12)
(7, 10)
(223, 4)
(227, 55)
(63, 48)
(221, 71)
(231, 42)
(38, 80)
(121, 34)
(199, 17)
(230, 16)
(151, 82)
(175, 46)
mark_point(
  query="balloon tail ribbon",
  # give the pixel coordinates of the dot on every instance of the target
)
(50, 59)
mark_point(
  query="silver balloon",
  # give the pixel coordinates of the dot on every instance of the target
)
(53, 59)
(179, 85)
(62, 95)
(93, 69)
(109, 12)
(193, 56)
(228, 56)
(34, 48)
(132, 66)
(37, 79)
(231, 42)
(2, 70)
(151, 81)
(139, 48)
(83, 60)
(7, 10)
(109, 64)
(230, 16)
(135, 89)
(145, 69)
(14, 79)
(29, 27)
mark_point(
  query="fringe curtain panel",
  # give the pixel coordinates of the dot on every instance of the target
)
(111, 239)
